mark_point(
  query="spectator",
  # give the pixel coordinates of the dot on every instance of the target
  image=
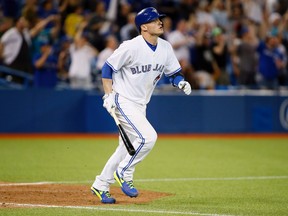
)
(207, 69)
(95, 24)
(110, 15)
(272, 5)
(45, 64)
(111, 44)
(274, 23)
(219, 13)
(283, 73)
(244, 58)
(236, 16)
(271, 51)
(15, 46)
(253, 10)
(64, 60)
(128, 30)
(46, 9)
(204, 15)
(50, 34)
(49, 20)
(72, 21)
(220, 53)
(271, 62)
(181, 42)
(82, 55)
(124, 8)
(30, 11)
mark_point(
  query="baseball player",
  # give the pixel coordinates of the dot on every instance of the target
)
(129, 77)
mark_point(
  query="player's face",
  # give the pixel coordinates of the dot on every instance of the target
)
(155, 27)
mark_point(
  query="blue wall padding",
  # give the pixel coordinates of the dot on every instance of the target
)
(76, 111)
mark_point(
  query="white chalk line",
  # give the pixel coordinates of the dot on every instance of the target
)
(156, 180)
(29, 183)
(113, 209)
(214, 179)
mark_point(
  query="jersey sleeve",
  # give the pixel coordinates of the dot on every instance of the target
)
(121, 56)
(107, 71)
(172, 65)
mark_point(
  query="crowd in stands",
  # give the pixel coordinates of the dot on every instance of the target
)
(219, 43)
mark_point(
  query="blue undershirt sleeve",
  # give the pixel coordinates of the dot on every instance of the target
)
(176, 78)
(107, 71)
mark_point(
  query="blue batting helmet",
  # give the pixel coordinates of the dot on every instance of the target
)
(147, 15)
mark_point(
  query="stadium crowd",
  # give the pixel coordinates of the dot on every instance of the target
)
(219, 43)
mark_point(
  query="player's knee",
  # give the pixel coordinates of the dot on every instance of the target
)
(151, 138)
(154, 137)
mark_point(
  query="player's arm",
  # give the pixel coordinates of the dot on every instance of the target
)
(177, 80)
(107, 78)
(109, 96)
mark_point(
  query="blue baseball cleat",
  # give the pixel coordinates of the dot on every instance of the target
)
(126, 186)
(104, 196)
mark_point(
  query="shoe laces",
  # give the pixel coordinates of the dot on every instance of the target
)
(107, 194)
(130, 184)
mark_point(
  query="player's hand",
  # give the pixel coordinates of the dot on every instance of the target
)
(185, 87)
(109, 102)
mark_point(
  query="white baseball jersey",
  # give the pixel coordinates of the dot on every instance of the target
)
(137, 68)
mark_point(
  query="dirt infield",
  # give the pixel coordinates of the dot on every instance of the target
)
(65, 195)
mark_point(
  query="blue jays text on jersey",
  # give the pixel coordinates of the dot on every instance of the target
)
(147, 68)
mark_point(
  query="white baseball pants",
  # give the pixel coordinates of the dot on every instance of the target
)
(132, 117)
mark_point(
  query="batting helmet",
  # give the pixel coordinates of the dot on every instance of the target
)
(147, 15)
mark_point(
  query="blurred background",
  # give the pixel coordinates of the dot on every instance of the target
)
(232, 52)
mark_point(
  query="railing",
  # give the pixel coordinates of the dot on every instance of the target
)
(27, 78)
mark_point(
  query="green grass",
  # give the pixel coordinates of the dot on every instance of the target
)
(200, 167)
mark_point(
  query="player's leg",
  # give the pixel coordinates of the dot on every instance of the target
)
(133, 119)
(126, 168)
(102, 182)
(143, 144)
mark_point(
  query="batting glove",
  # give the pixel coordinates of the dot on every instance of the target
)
(185, 86)
(109, 102)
